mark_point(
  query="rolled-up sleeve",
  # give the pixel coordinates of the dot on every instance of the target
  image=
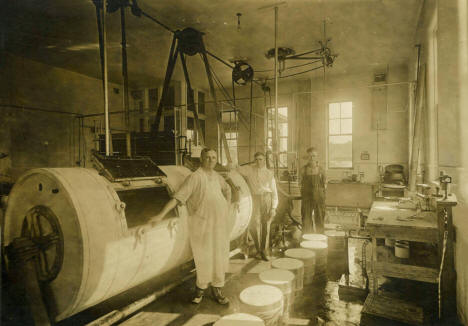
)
(186, 189)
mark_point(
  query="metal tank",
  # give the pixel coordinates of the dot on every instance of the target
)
(93, 231)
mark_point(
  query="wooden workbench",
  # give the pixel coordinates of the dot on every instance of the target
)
(386, 220)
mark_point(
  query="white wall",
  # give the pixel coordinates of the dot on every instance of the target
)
(387, 146)
(445, 55)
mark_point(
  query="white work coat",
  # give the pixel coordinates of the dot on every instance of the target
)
(208, 224)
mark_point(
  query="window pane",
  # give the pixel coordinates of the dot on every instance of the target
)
(189, 134)
(334, 110)
(283, 130)
(283, 145)
(270, 124)
(346, 126)
(283, 160)
(346, 110)
(201, 102)
(270, 143)
(334, 127)
(283, 112)
(340, 151)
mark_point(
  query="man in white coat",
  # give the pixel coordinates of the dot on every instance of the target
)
(207, 197)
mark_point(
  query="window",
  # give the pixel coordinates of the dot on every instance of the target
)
(169, 103)
(190, 92)
(201, 102)
(231, 138)
(230, 130)
(340, 135)
(153, 99)
(169, 123)
(282, 134)
(192, 135)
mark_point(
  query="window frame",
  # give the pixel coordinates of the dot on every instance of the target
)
(327, 115)
(229, 128)
(281, 153)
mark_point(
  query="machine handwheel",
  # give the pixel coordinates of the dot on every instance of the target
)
(43, 228)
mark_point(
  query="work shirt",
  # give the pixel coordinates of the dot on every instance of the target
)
(261, 181)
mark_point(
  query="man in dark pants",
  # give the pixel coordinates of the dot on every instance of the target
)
(265, 201)
(313, 183)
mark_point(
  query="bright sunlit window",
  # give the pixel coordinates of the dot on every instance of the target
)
(340, 135)
(282, 134)
(230, 130)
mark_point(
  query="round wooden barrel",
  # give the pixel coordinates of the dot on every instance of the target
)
(283, 280)
(239, 319)
(294, 265)
(315, 237)
(264, 301)
(96, 255)
(336, 241)
(321, 258)
(308, 258)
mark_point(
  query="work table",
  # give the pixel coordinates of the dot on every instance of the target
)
(386, 220)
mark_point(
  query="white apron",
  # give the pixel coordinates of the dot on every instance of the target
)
(208, 225)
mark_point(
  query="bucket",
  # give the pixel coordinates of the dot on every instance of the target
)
(402, 249)
(336, 241)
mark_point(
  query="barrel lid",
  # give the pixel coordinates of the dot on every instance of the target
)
(261, 295)
(314, 245)
(287, 263)
(276, 276)
(335, 233)
(314, 237)
(240, 319)
(299, 253)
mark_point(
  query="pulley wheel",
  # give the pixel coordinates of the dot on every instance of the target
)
(242, 73)
(43, 228)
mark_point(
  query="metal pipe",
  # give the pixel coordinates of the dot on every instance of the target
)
(105, 79)
(125, 79)
(220, 60)
(29, 108)
(275, 142)
(164, 106)
(417, 132)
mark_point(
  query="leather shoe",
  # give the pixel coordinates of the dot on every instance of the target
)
(264, 256)
(218, 296)
(198, 295)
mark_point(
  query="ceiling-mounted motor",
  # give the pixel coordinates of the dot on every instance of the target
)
(190, 41)
(242, 73)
